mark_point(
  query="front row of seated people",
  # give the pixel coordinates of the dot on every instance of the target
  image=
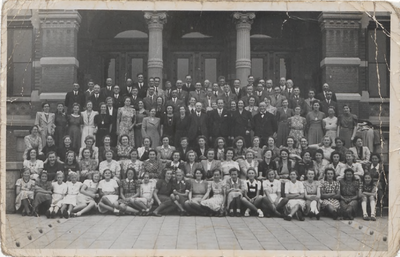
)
(172, 192)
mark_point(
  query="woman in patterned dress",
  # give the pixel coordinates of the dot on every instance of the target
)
(25, 187)
(134, 163)
(347, 126)
(87, 165)
(126, 120)
(140, 114)
(153, 166)
(349, 194)
(87, 124)
(312, 194)
(33, 140)
(74, 126)
(314, 124)
(330, 194)
(217, 202)
(330, 125)
(34, 165)
(123, 150)
(282, 116)
(129, 190)
(297, 125)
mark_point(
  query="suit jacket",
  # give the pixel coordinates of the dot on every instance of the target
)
(199, 153)
(260, 99)
(321, 96)
(240, 123)
(71, 98)
(245, 99)
(167, 94)
(183, 95)
(45, 124)
(365, 152)
(287, 94)
(264, 127)
(253, 112)
(107, 92)
(238, 92)
(219, 125)
(215, 164)
(269, 93)
(176, 104)
(125, 91)
(97, 101)
(294, 102)
(308, 104)
(228, 99)
(277, 101)
(208, 105)
(188, 88)
(183, 153)
(199, 97)
(87, 94)
(136, 101)
(113, 114)
(142, 90)
(198, 126)
(325, 106)
(119, 102)
(190, 169)
(149, 103)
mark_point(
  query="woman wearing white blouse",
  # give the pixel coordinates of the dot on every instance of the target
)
(112, 165)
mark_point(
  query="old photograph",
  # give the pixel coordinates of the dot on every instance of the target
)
(232, 130)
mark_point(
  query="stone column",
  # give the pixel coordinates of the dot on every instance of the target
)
(341, 61)
(243, 62)
(59, 44)
(155, 22)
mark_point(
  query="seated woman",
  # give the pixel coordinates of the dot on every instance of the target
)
(180, 191)
(201, 149)
(379, 176)
(145, 199)
(86, 165)
(368, 194)
(191, 165)
(271, 146)
(349, 194)
(71, 164)
(34, 165)
(129, 190)
(176, 163)
(106, 146)
(228, 164)
(294, 191)
(239, 149)
(50, 145)
(266, 165)
(220, 147)
(43, 190)
(290, 145)
(88, 194)
(197, 193)
(210, 164)
(352, 164)
(319, 164)
(361, 153)
(340, 147)
(124, 148)
(33, 140)
(272, 202)
(248, 163)
(153, 166)
(162, 194)
(304, 147)
(134, 163)
(252, 194)
(144, 150)
(52, 165)
(110, 164)
(304, 165)
(235, 190)
(330, 194)
(336, 165)
(24, 189)
(216, 204)
(284, 167)
(65, 147)
(164, 152)
(60, 189)
(325, 146)
(89, 144)
(108, 191)
(69, 201)
(184, 148)
(258, 151)
(312, 194)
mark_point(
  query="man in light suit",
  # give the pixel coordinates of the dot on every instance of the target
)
(157, 87)
(45, 122)
(182, 94)
(277, 98)
(209, 99)
(269, 90)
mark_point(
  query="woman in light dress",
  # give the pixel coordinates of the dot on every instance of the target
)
(151, 127)
(126, 120)
(228, 164)
(217, 202)
(330, 125)
(87, 195)
(88, 127)
(294, 191)
(25, 187)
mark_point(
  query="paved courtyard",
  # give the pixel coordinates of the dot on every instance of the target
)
(174, 232)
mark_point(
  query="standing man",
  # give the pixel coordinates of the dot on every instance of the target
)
(112, 112)
(219, 122)
(168, 90)
(175, 101)
(288, 92)
(188, 86)
(221, 83)
(117, 97)
(97, 98)
(249, 93)
(75, 96)
(250, 80)
(141, 86)
(135, 98)
(181, 94)
(209, 99)
(228, 97)
(236, 89)
(264, 124)
(282, 83)
(108, 89)
(269, 91)
(127, 89)
(328, 102)
(322, 96)
(150, 100)
(89, 91)
(277, 99)
(157, 87)
(198, 126)
(296, 100)
(198, 93)
(260, 93)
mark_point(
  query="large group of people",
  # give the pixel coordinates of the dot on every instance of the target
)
(201, 149)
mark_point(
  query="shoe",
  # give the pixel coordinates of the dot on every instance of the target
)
(373, 218)
(365, 217)
(277, 214)
(288, 218)
(52, 215)
(231, 214)
(335, 215)
(311, 215)
(23, 214)
(260, 213)
(238, 214)
(351, 217)
(65, 214)
(340, 218)
(30, 214)
(60, 214)
(318, 216)
(48, 214)
(246, 214)
(157, 215)
(300, 215)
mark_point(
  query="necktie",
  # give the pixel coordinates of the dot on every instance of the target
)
(215, 93)
(192, 111)
(219, 112)
(116, 95)
(47, 117)
(75, 93)
(174, 100)
(129, 89)
(198, 114)
(276, 97)
(179, 91)
(140, 85)
(97, 96)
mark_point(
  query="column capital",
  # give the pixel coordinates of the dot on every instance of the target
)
(53, 19)
(155, 19)
(331, 20)
(244, 20)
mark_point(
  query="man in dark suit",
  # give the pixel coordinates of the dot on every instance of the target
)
(250, 81)
(322, 96)
(112, 112)
(151, 100)
(228, 97)
(198, 126)
(259, 93)
(117, 97)
(219, 122)
(216, 90)
(181, 94)
(75, 96)
(127, 89)
(282, 83)
(264, 124)
(188, 86)
(141, 86)
(198, 93)
(328, 102)
(296, 100)
(249, 93)
(97, 98)
(236, 89)
(209, 99)
(108, 89)
(288, 92)
(89, 91)
(269, 90)
(135, 98)
(168, 90)
(175, 101)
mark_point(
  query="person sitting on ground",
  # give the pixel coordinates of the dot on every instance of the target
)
(312, 194)
(216, 204)
(180, 191)
(330, 194)
(294, 191)
(197, 194)
(368, 194)
(43, 191)
(252, 194)
(25, 187)
(129, 190)
(108, 191)
(145, 200)
(272, 202)
(162, 194)
(349, 194)
(69, 201)
(235, 190)
(60, 189)
(86, 200)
